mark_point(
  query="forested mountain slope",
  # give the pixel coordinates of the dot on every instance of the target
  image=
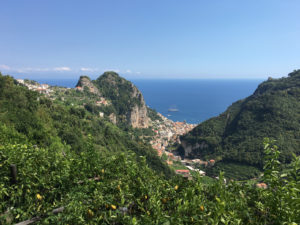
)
(235, 136)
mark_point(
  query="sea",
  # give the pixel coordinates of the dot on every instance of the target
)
(193, 101)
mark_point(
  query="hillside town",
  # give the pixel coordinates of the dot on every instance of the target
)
(167, 133)
(35, 86)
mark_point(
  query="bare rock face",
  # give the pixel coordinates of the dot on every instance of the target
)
(138, 118)
(84, 82)
(138, 115)
(112, 117)
(189, 148)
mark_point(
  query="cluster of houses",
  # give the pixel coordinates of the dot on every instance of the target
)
(189, 162)
(168, 132)
(102, 101)
(185, 173)
(41, 88)
(79, 88)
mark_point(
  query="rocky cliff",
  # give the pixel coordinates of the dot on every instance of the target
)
(138, 115)
(127, 102)
(85, 82)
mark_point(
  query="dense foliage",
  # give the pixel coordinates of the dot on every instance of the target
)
(66, 157)
(236, 135)
(96, 189)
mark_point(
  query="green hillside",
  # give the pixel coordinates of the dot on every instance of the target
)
(235, 136)
(73, 167)
(65, 124)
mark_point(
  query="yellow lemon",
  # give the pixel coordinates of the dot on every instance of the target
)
(90, 213)
(176, 187)
(113, 207)
(202, 208)
(39, 197)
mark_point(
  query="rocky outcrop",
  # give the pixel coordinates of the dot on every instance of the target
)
(127, 100)
(85, 81)
(138, 115)
(190, 148)
(112, 117)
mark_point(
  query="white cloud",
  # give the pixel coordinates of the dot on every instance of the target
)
(86, 69)
(30, 69)
(63, 68)
(34, 69)
(128, 71)
(41, 69)
(4, 67)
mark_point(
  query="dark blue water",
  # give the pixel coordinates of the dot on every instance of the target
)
(196, 100)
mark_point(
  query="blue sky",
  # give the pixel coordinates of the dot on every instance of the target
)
(150, 38)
